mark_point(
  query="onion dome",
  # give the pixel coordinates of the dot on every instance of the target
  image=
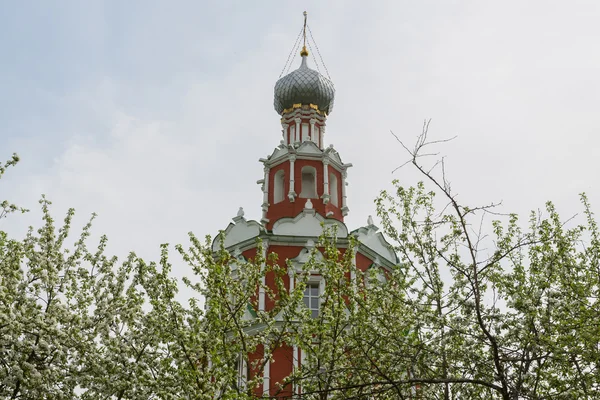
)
(304, 86)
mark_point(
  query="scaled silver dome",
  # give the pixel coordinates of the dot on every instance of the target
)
(304, 86)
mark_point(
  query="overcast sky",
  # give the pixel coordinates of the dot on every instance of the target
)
(154, 114)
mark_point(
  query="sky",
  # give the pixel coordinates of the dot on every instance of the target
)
(154, 114)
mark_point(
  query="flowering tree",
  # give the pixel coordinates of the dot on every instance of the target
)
(509, 315)
(513, 317)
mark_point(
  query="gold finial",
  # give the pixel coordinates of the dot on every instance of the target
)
(304, 52)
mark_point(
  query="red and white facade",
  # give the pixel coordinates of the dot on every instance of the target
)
(304, 185)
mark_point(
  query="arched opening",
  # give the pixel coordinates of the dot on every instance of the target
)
(279, 187)
(333, 189)
(309, 183)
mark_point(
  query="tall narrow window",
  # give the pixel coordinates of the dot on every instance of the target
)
(279, 186)
(309, 183)
(333, 189)
(311, 298)
(315, 135)
(293, 134)
(304, 132)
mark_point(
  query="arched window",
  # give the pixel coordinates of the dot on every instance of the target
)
(279, 187)
(309, 183)
(333, 189)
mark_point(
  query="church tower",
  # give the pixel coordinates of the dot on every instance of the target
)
(304, 186)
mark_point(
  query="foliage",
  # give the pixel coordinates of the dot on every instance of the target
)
(5, 206)
(510, 315)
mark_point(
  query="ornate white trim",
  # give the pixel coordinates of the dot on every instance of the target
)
(265, 204)
(375, 241)
(237, 232)
(345, 208)
(308, 223)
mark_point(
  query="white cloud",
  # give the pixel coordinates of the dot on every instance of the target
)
(176, 148)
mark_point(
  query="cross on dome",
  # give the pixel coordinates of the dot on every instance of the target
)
(304, 86)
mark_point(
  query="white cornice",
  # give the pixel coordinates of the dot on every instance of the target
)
(280, 156)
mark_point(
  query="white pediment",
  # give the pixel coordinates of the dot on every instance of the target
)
(304, 256)
(237, 232)
(335, 156)
(308, 223)
(309, 148)
(375, 241)
(278, 153)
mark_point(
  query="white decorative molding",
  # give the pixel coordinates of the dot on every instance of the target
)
(369, 237)
(308, 223)
(308, 205)
(265, 204)
(277, 153)
(241, 230)
(303, 257)
(309, 148)
(345, 208)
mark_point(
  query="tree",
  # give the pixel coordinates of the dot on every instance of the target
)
(5, 206)
(512, 314)
(515, 317)
(74, 323)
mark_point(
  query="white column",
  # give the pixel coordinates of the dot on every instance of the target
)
(261, 289)
(312, 130)
(298, 133)
(265, 204)
(322, 134)
(344, 183)
(295, 358)
(266, 371)
(292, 280)
(292, 192)
(353, 270)
(284, 131)
(325, 181)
